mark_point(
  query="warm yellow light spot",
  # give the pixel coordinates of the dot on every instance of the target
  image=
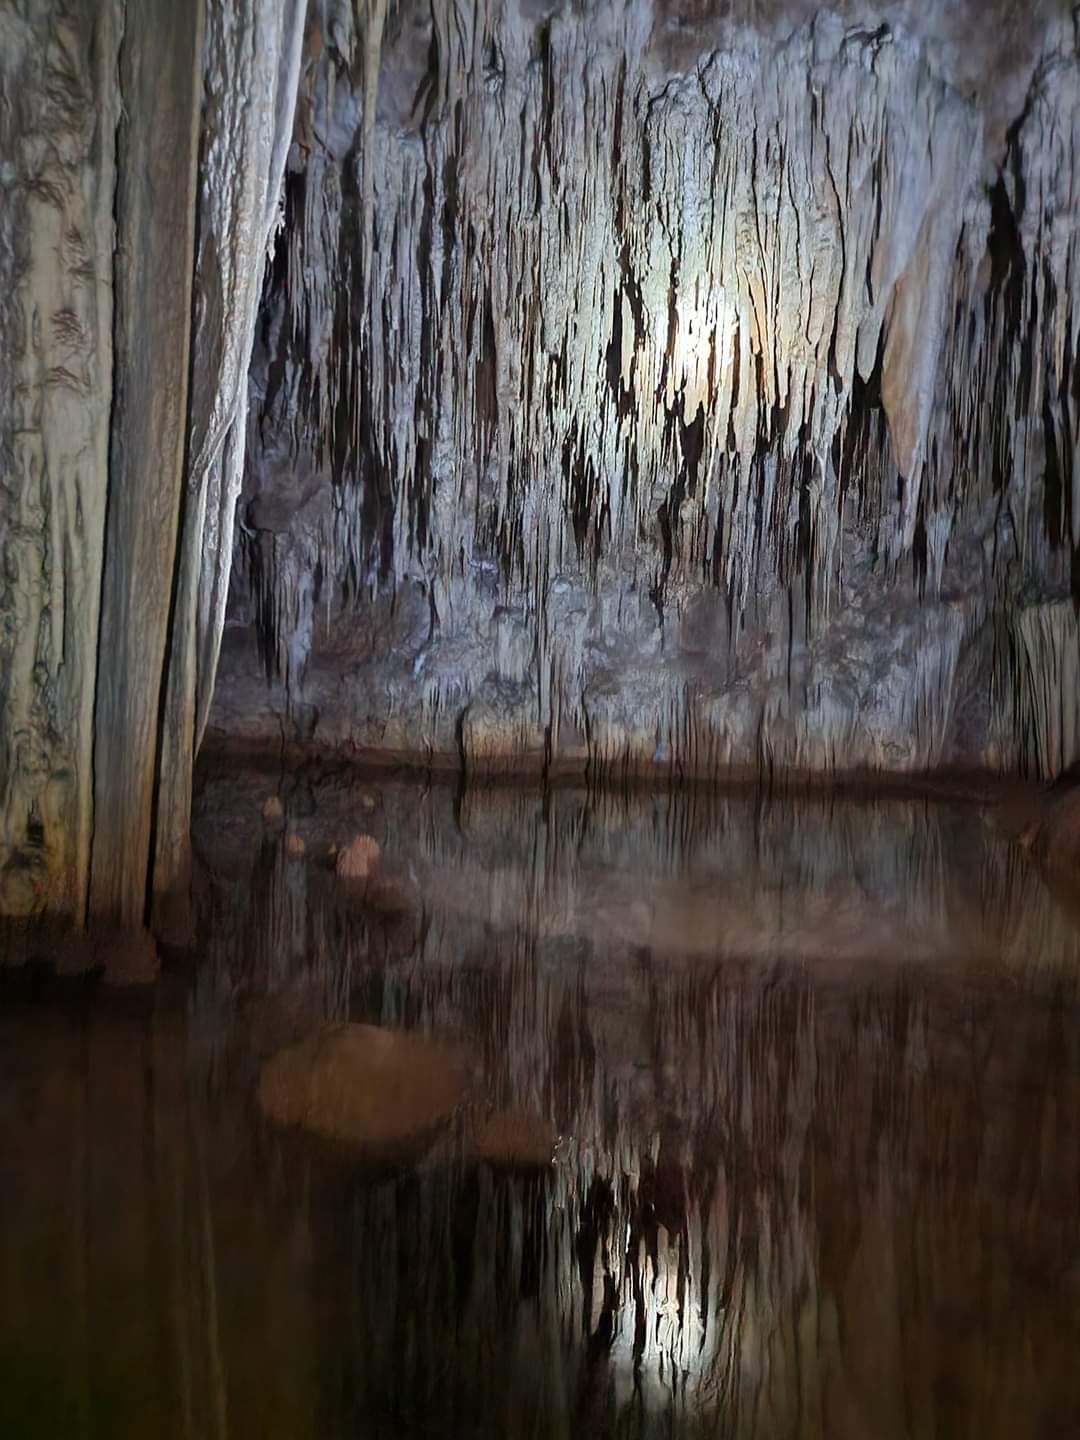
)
(706, 324)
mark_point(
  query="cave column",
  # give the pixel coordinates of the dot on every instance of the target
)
(157, 152)
(252, 69)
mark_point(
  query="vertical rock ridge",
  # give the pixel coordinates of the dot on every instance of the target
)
(160, 64)
(251, 66)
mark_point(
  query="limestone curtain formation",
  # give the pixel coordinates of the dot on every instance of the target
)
(641, 391)
(101, 121)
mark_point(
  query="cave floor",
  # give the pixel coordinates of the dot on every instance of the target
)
(764, 1121)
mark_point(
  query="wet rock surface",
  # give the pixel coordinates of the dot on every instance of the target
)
(517, 1139)
(381, 1091)
(123, 957)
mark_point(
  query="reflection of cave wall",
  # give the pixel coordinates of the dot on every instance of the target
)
(697, 1247)
(638, 390)
(773, 1173)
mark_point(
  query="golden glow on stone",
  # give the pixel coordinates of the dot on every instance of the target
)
(703, 347)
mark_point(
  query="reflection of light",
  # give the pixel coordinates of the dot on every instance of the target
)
(703, 346)
(675, 1350)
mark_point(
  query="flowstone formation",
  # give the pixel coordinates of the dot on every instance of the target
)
(636, 390)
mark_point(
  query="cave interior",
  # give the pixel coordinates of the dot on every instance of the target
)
(487, 483)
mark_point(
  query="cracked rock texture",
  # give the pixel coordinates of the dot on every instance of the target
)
(670, 388)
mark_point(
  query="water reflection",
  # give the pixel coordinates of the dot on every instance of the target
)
(816, 1072)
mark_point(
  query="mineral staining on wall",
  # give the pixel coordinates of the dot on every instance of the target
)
(630, 393)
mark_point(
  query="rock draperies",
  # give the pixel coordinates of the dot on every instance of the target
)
(708, 406)
(114, 570)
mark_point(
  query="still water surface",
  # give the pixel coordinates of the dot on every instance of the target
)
(814, 1072)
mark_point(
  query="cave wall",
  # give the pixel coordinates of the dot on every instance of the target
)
(640, 388)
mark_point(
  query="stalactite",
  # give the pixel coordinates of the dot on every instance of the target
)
(572, 337)
(630, 392)
(1039, 675)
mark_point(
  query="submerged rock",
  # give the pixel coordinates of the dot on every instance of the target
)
(127, 957)
(390, 895)
(358, 859)
(517, 1139)
(73, 954)
(118, 955)
(1055, 837)
(380, 1090)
